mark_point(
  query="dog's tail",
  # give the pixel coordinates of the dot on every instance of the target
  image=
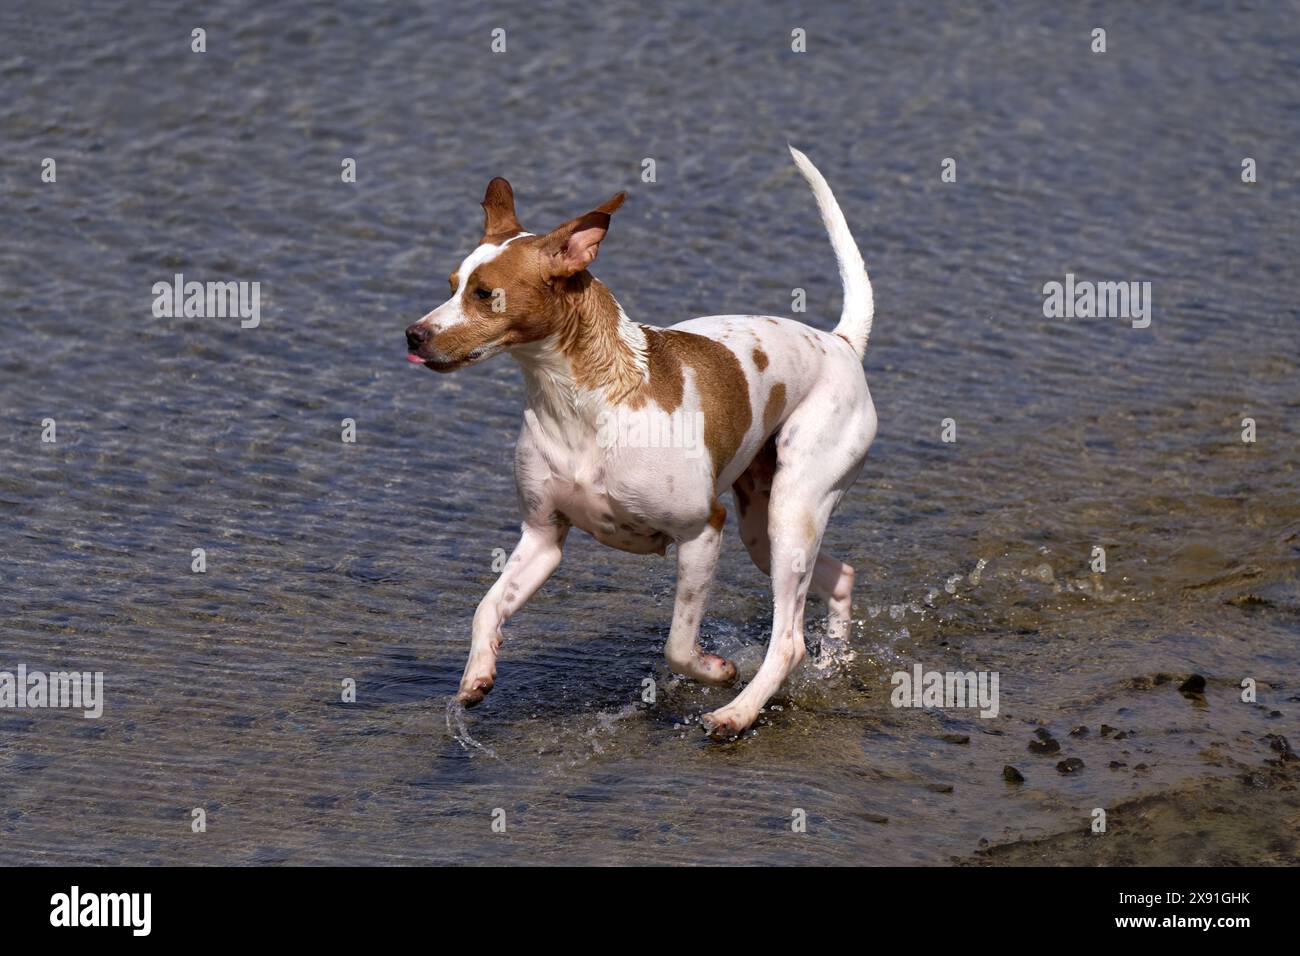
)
(855, 318)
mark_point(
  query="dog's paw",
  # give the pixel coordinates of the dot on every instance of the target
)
(724, 724)
(707, 669)
(472, 692)
(715, 671)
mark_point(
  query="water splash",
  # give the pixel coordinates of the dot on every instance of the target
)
(459, 730)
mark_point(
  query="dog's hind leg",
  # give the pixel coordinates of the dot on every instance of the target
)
(805, 490)
(795, 528)
(697, 557)
(833, 581)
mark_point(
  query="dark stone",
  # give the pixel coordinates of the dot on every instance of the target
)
(1048, 746)
(1070, 765)
(1080, 731)
(1194, 685)
(1011, 775)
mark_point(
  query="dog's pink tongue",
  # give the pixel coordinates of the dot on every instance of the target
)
(414, 358)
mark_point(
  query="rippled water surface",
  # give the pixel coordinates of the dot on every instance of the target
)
(329, 561)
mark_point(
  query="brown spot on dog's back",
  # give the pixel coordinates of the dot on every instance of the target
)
(760, 358)
(664, 384)
(719, 379)
(775, 407)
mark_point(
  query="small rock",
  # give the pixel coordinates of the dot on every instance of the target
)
(1115, 765)
(1070, 765)
(1122, 735)
(956, 738)
(939, 787)
(1048, 746)
(1011, 775)
(1194, 685)
(1080, 731)
(1042, 733)
(1107, 730)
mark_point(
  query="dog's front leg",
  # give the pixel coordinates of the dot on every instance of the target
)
(697, 557)
(535, 558)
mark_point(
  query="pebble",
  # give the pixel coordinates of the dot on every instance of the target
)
(1193, 685)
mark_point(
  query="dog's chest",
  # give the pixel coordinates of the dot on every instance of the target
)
(604, 491)
(594, 495)
(593, 509)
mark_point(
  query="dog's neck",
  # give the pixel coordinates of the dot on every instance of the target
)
(594, 357)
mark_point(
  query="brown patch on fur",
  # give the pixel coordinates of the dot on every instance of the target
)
(718, 517)
(719, 378)
(760, 358)
(587, 332)
(664, 386)
(775, 407)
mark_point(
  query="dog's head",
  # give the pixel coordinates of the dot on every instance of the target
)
(511, 289)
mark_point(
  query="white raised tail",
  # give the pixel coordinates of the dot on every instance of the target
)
(855, 317)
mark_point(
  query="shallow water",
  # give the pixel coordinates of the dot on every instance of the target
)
(329, 561)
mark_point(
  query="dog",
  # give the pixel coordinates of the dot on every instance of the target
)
(785, 420)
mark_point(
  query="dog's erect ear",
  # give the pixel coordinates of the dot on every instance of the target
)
(572, 247)
(499, 210)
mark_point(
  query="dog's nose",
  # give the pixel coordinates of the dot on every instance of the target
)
(416, 336)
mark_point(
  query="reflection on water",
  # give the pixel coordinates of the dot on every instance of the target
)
(329, 562)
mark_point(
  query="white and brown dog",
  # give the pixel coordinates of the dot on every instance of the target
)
(786, 422)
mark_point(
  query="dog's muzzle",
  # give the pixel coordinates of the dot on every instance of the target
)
(417, 351)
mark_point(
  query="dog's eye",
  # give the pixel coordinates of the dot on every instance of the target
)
(482, 293)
